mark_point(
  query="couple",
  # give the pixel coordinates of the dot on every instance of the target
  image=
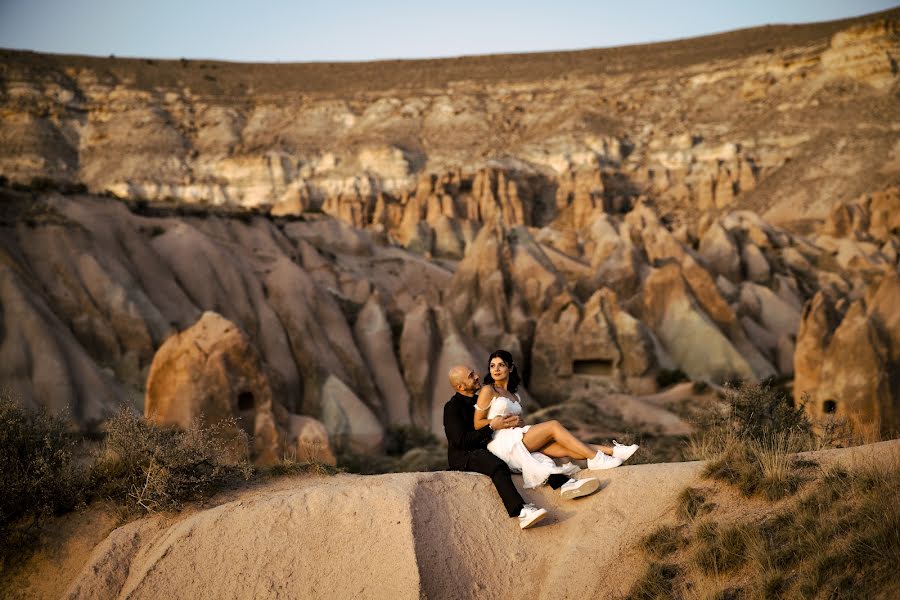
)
(486, 435)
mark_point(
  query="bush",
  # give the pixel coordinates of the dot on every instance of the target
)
(669, 377)
(39, 475)
(149, 468)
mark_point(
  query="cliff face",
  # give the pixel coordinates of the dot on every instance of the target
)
(784, 119)
(606, 215)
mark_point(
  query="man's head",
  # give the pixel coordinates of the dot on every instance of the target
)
(464, 380)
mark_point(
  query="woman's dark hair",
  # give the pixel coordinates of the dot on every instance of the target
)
(514, 378)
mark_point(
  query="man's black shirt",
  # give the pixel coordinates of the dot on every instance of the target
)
(462, 437)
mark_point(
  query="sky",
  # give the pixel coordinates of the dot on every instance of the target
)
(360, 30)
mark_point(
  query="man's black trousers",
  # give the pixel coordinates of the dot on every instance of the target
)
(482, 461)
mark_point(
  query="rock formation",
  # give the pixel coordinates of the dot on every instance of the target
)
(675, 206)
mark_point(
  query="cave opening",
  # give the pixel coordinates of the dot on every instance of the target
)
(245, 401)
(593, 366)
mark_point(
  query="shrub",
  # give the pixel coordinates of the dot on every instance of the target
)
(152, 468)
(669, 377)
(39, 475)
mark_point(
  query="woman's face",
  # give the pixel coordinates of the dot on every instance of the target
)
(499, 369)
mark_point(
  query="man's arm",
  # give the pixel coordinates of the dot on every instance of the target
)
(459, 432)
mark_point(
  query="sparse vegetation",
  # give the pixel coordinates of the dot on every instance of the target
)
(663, 541)
(810, 532)
(152, 468)
(692, 503)
(39, 473)
(669, 377)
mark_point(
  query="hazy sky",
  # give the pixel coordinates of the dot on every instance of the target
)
(281, 30)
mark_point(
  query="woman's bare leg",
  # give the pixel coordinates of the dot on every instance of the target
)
(603, 449)
(544, 434)
(556, 450)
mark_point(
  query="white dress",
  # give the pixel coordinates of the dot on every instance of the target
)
(508, 446)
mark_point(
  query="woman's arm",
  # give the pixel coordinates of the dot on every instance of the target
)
(482, 406)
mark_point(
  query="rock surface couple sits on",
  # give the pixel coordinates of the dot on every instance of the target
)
(486, 434)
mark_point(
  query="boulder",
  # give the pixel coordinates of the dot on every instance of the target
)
(211, 372)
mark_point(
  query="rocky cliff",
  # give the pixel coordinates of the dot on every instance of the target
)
(718, 206)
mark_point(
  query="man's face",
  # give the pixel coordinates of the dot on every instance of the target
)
(471, 383)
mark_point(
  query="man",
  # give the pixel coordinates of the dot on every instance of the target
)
(467, 450)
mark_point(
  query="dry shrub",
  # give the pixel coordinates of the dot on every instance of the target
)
(39, 473)
(150, 468)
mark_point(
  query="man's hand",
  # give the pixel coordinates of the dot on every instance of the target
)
(498, 423)
(506, 422)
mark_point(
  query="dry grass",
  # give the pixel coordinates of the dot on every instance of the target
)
(665, 540)
(839, 539)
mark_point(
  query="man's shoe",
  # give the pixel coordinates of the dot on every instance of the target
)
(530, 515)
(622, 451)
(576, 488)
(603, 461)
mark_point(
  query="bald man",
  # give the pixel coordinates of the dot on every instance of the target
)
(467, 449)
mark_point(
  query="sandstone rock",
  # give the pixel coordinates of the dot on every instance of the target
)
(694, 342)
(211, 372)
(768, 309)
(864, 52)
(720, 253)
(351, 425)
(843, 362)
(373, 335)
(755, 263)
(419, 345)
(41, 362)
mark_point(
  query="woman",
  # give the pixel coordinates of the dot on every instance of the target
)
(530, 449)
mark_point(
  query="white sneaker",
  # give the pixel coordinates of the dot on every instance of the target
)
(622, 451)
(603, 461)
(530, 515)
(576, 488)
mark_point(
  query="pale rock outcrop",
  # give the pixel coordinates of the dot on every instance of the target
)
(770, 310)
(504, 278)
(419, 347)
(720, 252)
(211, 373)
(694, 342)
(867, 52)
(373, 336)
(755, 263)
(41, 361)
(351, 425)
